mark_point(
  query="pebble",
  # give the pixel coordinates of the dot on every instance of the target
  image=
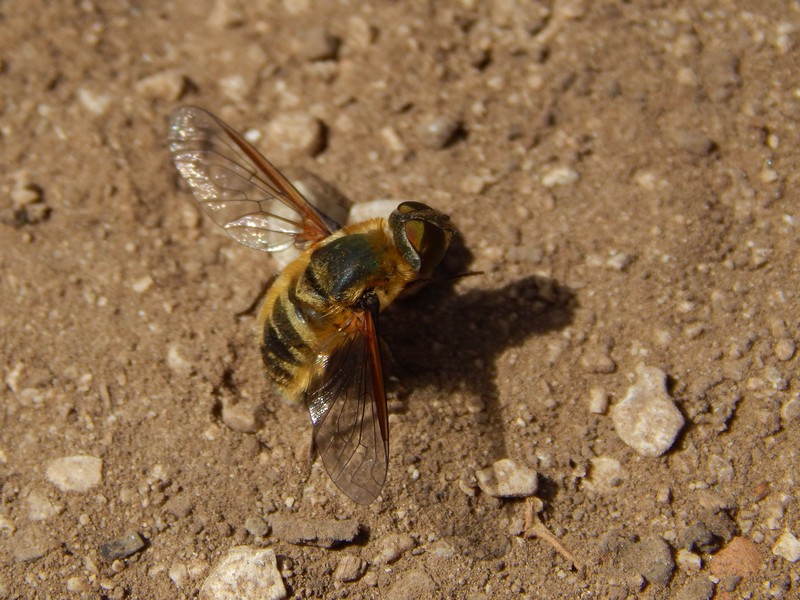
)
(437, 132)
(316, 43)
(791, 410)
(225, 14)
(647, 419)
(168, 86)
(324, 533)
(787, 547)
(785, 349)
(349, 568)
(256, 526)
(598, 401)
(31, 543)
(245, 573)
(296, 133)
(740, 557)
(693, 142)
(650, 557)
(39, 506)
(176, 361)
(392, 547)
(373, 209)
(244, 417)
(606, 474)
(121, 547)
(559, 175)
(507, 479)
(141, 285)
(413, 585)
(697, 588)
(75, 473)
(688, 561)
(95, 102)
(178, 573)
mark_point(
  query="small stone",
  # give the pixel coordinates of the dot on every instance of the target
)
(597, 361)
(324, 533)
(245, 573)
(121, 547)
(693, 142)
(141, 285)
(295, 134)
(77, 585)
(441, 549)
(651, 558)
(559, 175)
(413, 584)
(697, 588)
(225, 14)
(178, 573)
(392, 547)
(785, 349)
(31, 543)
(689, 561)
(95, 102)
(740, 557)
(473, 184)
(437, 132)
(22, 196)
(39, 506)
(606, 474)
(316, 43)
(393, 140)
(506, 478)
(598, 401)
(787, 547)
(350, 568)
(373, 209)
(791, 410)
(176, 361)
(647, 418)
(168, 86)
(244, 417)
(75, 473)
(256, 526)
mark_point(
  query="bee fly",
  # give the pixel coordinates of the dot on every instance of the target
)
(319, 321)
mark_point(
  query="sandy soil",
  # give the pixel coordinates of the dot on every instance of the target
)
(626, 176)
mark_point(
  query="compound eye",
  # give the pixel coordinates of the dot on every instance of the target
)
(429, 242)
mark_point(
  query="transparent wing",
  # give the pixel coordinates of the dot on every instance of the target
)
(347, 404)
(239, 188)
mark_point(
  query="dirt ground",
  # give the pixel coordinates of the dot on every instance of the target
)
(625, 174)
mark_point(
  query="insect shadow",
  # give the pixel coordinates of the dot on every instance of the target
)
(453, 342)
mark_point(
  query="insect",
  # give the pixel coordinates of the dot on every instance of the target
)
(318, 324)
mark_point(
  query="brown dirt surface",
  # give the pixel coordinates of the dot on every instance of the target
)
(626, 176)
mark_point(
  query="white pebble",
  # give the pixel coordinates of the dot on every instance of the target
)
(296, 133)
(787, 547)
(245, 573)
(605, 475)
(75, 473)
(647, 418)
(560, 175)
(791, 409)
(167, 85)
(784, 349)
(176, 362)
(373, 209)
(598, 401)
(689, 561)
(506, 478)
(141, 285)
(94, 102)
